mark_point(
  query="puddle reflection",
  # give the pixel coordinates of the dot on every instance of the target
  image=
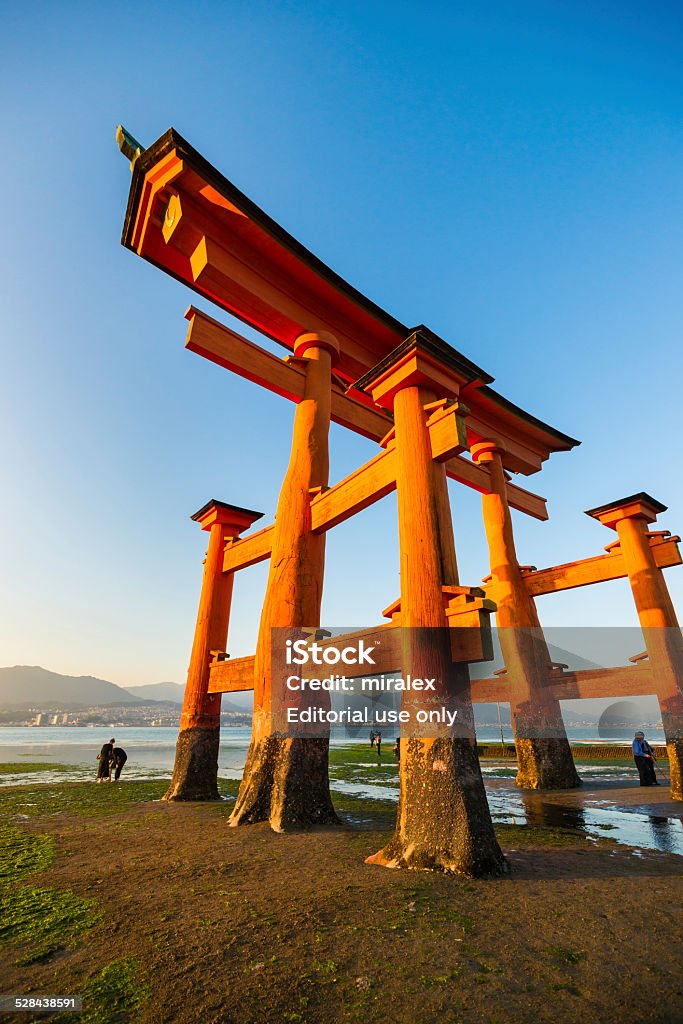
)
(596, 819)
(630, 828)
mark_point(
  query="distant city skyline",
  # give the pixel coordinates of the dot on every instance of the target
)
(508, 176)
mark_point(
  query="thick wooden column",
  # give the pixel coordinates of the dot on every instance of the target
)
(285, 779)
(195, 771)
(544, 758)
(630, 518)
(443, 820)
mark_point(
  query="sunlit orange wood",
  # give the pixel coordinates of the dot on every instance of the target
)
(249, 550)
(195, 771)
(234, 675)
(443, 820)
(598, 569)
(208, 338)
(355, 492)
(232, 262)
(478, 478)
(447, 432)
(630, 518)
(580, 685)
(285, 780)
(212, 340)
(544, 757)
(250, 266)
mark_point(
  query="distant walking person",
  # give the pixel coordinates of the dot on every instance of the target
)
(378, 744)
(104, 757)
(373, 737)
(118, 759)
(644, 757)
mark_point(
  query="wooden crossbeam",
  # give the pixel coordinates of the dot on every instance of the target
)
(248, 550)
(626, 681)
(216, 342)
(366, 485)
(598, 569)
(478, 478)
(377, 478)
(355, 492)
(232, 676)
(605, 682)
(211, 339)
(237, 675)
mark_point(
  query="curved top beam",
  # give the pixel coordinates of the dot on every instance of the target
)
(187, 219)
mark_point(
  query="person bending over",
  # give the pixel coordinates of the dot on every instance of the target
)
(118, 759)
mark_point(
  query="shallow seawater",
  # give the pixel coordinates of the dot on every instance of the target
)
(379, 781)
(76, 773)
(596, 819)
(637, 828)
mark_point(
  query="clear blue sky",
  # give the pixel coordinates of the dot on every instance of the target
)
(508, 174)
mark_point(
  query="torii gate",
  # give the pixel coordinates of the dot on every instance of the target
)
(426, 404)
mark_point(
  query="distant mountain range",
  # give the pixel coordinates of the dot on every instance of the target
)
(32, 686)
(174, 692)
(159, 691)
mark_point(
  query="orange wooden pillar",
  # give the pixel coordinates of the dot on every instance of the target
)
(544, 757)
(285, 779)
(195, 771)
(443, 819)
(630, 518)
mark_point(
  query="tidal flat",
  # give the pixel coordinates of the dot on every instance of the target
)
(160, 913)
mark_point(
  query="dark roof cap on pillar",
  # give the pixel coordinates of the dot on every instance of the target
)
(215, 503)
(641, 505)
(235, 515)
(424, 339)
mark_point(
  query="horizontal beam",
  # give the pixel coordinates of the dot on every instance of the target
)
(490, 691)
(581, 685)
(358, 491)
(232, 676)
(212, 340)
(637, 681)
(249, 550)
(597, 569)
(377, 478)
(236, 675)
(386, 641)
(478, 478)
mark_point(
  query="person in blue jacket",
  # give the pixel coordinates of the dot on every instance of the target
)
(644, 757)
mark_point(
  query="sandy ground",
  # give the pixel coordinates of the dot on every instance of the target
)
(243, 925)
